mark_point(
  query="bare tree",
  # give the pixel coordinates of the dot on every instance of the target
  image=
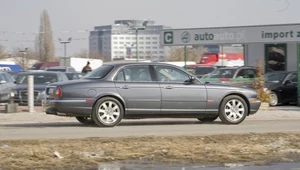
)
(82, 54)
(96, 55)
(23, 58)
(44, 41)
(2, 51)
(193, 54)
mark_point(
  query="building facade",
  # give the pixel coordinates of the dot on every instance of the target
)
(118, 41)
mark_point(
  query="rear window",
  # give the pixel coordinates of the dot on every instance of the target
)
(99, 73)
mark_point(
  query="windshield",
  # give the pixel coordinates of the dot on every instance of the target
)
(275, 77)
(99, 73)
(222, 73)
(38, 78)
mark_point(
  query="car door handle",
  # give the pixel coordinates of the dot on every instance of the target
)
(124, 87)
(168, 87)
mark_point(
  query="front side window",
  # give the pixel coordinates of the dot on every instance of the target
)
(38, 78)
(134, 74)
(293, 78)
(169, 74)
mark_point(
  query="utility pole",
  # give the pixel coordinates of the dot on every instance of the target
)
(131, 27)
(65, 48)
(24, 52)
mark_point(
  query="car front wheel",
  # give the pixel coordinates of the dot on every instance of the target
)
(273, 99)
(108, 112)
(85, 120)
(233, 110)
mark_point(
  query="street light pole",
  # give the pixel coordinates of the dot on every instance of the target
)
(23, 56)
(144, 25)
(65, 48)
(137, 46)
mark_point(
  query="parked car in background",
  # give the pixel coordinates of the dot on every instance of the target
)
(41, 80)
(62, 69)
(73, 76)
(200, 71)
(234, 72)
(283, 87)
(6, 87)
(43, 65)
(144, 90)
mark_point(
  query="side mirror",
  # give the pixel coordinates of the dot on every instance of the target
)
(192, 78)
(2, 82)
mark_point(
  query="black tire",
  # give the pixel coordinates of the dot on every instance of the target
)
(85, 120)
(224, 114)
(103, 102)
(273, 99)
(208, 119)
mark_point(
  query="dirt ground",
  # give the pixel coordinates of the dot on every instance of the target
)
(87, 153)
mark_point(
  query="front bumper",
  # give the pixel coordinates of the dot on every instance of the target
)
(254, 106)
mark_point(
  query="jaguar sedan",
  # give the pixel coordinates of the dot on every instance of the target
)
(116, 91)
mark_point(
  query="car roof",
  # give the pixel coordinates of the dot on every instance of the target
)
(59, 67)
(40, 72)
(120, 64)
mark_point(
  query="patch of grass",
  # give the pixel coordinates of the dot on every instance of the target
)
(38, 154)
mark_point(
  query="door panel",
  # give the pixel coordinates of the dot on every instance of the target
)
(135, 85)
(178, 94)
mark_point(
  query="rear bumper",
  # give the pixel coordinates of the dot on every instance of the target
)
(254, 106)
(67, 107)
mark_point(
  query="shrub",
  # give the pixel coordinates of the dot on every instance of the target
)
(259, 83)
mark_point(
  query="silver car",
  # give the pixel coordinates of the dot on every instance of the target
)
(147, 90)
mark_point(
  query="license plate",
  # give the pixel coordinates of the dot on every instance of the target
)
(50, 91)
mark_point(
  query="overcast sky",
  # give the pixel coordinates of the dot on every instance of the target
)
(73, 15)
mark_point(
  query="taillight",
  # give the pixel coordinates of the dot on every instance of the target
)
(58, 92)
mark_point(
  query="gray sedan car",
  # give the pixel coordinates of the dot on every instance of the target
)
(147, 90)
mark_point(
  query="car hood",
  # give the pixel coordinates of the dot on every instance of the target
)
(39, 87)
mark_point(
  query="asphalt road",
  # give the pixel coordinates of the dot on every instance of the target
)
(165, 127)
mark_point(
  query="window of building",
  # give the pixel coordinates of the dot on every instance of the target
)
(148, 47)
(115, 47)
(161, 52)
(154, 42)
(121, 47)
(115, 38)
(121, 38)
(141, 38)
(127, 38)
(154, 38)
(148, 52)
(148, 43)
(141, 47)
(155, 52)
(148, 38)
(115, 52)
(115, 42)
(154, 47)
(121, 42)
(133, 38)
(127, 42)
(141, 42)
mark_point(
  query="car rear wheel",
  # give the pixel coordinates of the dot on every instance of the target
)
(233, 110)
(108, 112)
(273, 99)
(208, 119)
(85, 120)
